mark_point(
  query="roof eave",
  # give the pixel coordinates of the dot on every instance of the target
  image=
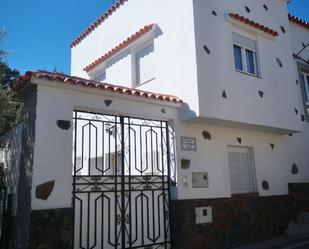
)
(94, 91)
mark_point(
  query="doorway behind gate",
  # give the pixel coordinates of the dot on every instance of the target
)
(122, 168)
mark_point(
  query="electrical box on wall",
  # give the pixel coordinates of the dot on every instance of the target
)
(203, 215)
(200, 180)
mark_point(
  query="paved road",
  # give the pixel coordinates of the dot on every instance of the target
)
(302, 245)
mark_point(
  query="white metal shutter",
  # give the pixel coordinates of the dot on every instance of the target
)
(243, 41)
(242, 173)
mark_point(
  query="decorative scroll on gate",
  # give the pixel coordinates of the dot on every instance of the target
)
(122, 170)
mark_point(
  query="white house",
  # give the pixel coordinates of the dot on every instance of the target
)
(223, 163)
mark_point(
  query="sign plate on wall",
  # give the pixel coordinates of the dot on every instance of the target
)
(188, 143)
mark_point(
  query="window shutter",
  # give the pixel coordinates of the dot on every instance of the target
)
(244, 42)
(242, 173)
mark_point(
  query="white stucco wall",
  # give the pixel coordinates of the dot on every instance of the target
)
(53, 146)
(119, 71)
(211, 156)
(174, 46)
(184, 69)
(216, 70)
(300, 36)
(187, 26)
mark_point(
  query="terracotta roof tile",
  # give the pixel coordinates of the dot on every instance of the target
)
(119, 47)
(119, 3)
(299, 21)
(97, 22)
(73, 80)
(254, 24)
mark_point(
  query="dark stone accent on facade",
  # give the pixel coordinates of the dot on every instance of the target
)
(296, 110)
(265, 7)
(294, 169)
(214, 13)
(64, 124)
(261, 94)
(44, 190)
(291, 135)
(302, 117)
(236, 221)
(247, 9)
(224, 94)
(272, 146)
(282, 29)
(303, 44)
(207, 50)
(163, 110)
(297, 82)
(279, 62)
(206, 135)
(21, 222)
(51, 229)
(108, 102)
(239, 140)
(265, 185)
(185, 163)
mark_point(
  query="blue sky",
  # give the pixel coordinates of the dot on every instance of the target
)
(40, 31)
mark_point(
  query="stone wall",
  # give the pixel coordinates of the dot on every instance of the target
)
(236, 221)
(10, 155)
(299, 198)
(17, 157)
(20, 228)
(51, 229)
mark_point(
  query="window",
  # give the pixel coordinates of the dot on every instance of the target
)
(242, 172)
(305, 79)
(245, 57)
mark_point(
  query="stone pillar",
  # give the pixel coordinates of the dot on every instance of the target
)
(21, 222)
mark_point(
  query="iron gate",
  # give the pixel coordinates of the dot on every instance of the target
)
(121, 182)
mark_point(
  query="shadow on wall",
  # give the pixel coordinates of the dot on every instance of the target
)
(186, 113)
(127, 52)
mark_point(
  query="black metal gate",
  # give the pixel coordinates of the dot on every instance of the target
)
(121, 182)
